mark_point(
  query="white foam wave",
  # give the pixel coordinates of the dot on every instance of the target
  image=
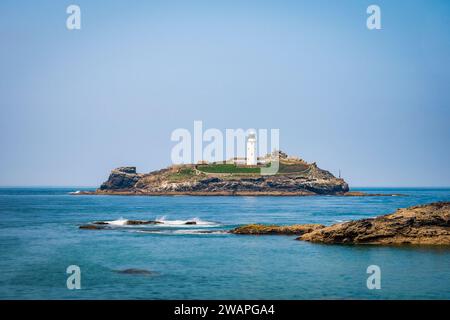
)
(118, 222)
(186, 223)
(194, 222)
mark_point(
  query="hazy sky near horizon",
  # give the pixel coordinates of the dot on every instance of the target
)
(76, 104)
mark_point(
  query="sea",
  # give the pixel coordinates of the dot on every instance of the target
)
(40, 239)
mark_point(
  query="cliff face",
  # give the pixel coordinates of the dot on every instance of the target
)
(295, 178)
(121, 178)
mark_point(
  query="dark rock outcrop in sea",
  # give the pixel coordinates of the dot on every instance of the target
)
(92, 227)
(101, 225)
(295, 177)
(141, 222)
(422, 225)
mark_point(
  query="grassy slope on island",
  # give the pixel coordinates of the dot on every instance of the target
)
(227, 168)
(284, 168)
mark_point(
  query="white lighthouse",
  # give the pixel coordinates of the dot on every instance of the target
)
(251, 159)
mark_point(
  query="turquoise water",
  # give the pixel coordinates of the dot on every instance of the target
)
(39, 239)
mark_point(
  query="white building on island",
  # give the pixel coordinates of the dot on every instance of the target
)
(251, 157)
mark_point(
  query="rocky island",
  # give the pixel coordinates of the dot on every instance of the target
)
(295, 177)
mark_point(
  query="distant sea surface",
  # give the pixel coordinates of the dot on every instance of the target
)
(40, 238)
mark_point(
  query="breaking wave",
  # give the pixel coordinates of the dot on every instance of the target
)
(118, 222)
(190, 222)
(194, 222)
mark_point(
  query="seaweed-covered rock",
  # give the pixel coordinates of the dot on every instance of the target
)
(260, 229)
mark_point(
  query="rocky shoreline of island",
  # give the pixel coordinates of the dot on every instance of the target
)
(234, 193)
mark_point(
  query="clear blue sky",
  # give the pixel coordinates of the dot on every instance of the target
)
(75, 104)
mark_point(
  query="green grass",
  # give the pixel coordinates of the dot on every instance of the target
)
(182, 174)
(186, 171)
(226, 168)
(232, 168)
(293, 168)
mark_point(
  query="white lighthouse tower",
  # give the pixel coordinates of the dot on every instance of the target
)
(251, 159)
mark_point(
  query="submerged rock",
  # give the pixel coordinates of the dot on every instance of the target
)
(135, 271)
(425, 225)
(259, 229)
(92, 227)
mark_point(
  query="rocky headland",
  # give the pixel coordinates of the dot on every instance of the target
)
(419, 225)
(422, 225)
